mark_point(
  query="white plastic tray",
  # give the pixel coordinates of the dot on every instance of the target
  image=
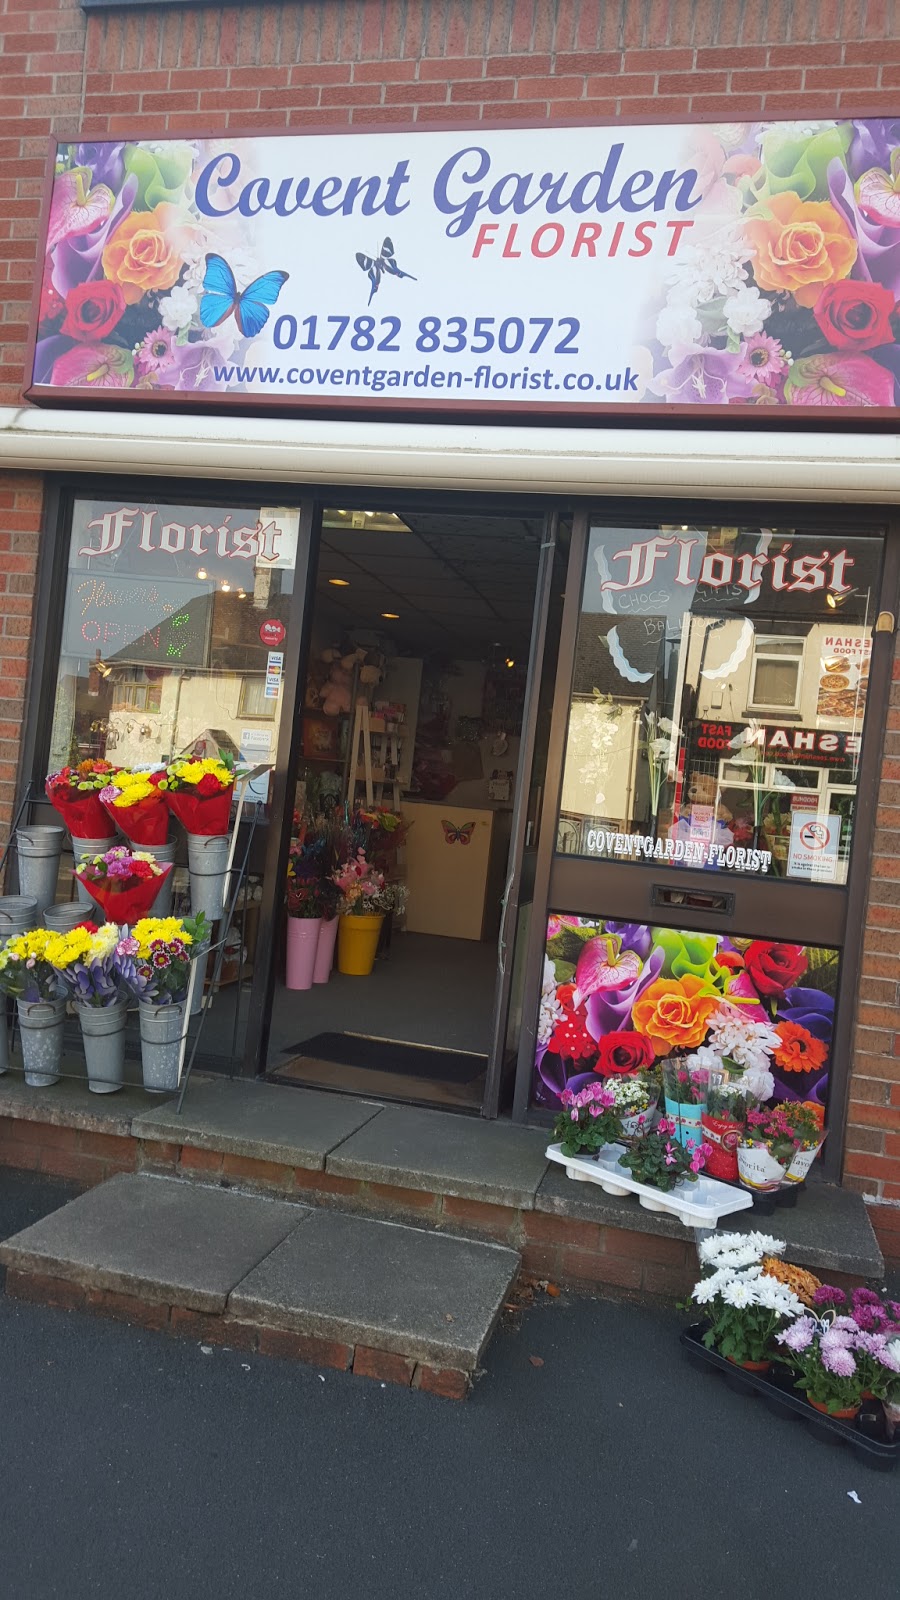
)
(698, 1205)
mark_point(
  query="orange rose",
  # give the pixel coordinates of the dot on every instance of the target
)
(800, 245)
(674, 1012)
(146, 252)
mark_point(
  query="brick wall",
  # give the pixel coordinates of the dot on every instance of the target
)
(380, 62)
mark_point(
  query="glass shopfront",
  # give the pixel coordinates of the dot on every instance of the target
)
(697, 720)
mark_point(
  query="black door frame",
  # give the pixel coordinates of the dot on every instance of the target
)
(580, 886)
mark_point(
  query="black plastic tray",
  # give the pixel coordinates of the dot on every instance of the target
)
(867, 1436)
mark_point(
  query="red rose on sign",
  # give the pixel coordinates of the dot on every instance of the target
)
(92, 310)
(855, 315)
(209, 784)
(624, 1052)
(51, 302)
(774, 967)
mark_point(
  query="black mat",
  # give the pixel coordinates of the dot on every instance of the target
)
(389, 1055)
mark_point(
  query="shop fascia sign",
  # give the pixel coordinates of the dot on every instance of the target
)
(676, 560)
(269, 543)
(541, 269)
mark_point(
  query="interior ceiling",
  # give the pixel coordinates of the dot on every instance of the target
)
(463, 585)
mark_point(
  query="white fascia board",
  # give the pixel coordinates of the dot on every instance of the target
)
(734, 463)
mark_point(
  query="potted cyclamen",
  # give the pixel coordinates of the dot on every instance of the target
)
(731, 1096)
(685, 1084)
(155, 959)
(27, 973)
(588, 1120)
(365, 902)
(767, 1149)
(658, 1160)
(85, 960)
(199, 794)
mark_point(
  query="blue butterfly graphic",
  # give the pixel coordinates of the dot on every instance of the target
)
(250, 305)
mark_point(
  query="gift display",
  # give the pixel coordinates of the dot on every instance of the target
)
(123, 882)
(75, 793)
(135, 804)
(199, 794)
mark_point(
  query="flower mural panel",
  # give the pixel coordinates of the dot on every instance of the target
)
(760, 1009)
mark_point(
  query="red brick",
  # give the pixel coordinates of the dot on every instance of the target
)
(588, 1266)
(209, 1329)
(45, 1290)
(127, 1308)
(272, 1173)
(644, 1246)
(404, 1199)
(499, 1221)
(326, 1182)
(383, 1365)
(113, 1145)
(547, 1229)
(201, 1160)
(298, 1347)
(873, 1116)
(666, 1280)
(445, 1381)
(157, 1153)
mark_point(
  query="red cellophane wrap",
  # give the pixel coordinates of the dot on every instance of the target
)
(146, 823)
(127, 905)
(201, 814)
(85, 817)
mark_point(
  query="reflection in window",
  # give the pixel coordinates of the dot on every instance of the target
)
(718, 698)
(162, 651)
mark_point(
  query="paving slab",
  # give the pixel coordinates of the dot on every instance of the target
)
(560, 1196)
(259, 1120)
(448, 1153)
(827, 1230)
(423, 1295)
(161, 1239)
(70, 1104)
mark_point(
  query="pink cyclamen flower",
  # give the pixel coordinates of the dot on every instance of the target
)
(573, 1116)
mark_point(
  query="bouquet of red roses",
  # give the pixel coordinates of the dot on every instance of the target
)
(123, 882)
(75, 793)
(199, 794)
(135, 803)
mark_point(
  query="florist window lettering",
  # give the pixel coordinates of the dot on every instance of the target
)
(718, 698)
(166, 614)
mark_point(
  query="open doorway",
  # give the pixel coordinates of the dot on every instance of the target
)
(411, 716)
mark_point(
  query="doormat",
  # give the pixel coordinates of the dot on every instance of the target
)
(387, 1055)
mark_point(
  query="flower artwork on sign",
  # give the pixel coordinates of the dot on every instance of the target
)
(622, 998)
(744, 264)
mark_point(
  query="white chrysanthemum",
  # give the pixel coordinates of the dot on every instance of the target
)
(739, 1294)
(704, 1059)
(551, 1011)
(709, 1250)
(678, 324)
(704, 1291)
(747, 1042)
(178, 309)
(765, 1244)
(746, 311)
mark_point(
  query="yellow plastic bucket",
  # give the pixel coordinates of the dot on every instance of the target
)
(357, 943)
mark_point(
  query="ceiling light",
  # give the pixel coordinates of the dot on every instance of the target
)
(684, 527)
(339, 583)
(226, 588)
(510, 662)
(392, 616)
(201, 573)
(242, 594)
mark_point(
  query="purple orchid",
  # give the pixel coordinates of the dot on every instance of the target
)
(79, 259)
(634, 936)
(872, 145)
(702, 375)
(878, 260)
(105, 161)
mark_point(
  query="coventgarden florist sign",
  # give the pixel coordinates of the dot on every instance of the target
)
(590, 268)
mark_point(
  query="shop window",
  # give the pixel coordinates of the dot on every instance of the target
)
(173, 630)
(718, 698)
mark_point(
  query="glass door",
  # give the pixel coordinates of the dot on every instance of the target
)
(708, 729)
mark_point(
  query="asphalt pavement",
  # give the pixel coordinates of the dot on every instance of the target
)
(135, 1465)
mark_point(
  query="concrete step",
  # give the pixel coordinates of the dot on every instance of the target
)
(388, 1301)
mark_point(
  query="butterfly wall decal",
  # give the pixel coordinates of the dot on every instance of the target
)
(454, 835)
(376, 266)
(221, 296)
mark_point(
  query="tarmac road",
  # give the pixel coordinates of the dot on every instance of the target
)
(135, 1466)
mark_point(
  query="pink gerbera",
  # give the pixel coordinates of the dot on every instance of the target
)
(762, 358)
(155, 350)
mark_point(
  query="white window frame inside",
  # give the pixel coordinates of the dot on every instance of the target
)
(760, 653)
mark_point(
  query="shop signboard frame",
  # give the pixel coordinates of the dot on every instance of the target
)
(495, 204)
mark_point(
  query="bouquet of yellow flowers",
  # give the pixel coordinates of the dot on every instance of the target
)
(199, 794)
(154, 957)
(135, 803)
(26, 967)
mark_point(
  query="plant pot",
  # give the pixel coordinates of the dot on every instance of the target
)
(4, 1036)
(161, 1031)
(66, 916)
(41, 1023)
(89, 847)
(18, 914)
(758, 1169)
(723, 1135)
(165, 855)
(208, 860)
(103, 1037)
(687, 1117)
(847, 1414)
(325, 950)
(39, 850)
(357, 944)
(750, 1366)
(300, 955)
(801, 1162)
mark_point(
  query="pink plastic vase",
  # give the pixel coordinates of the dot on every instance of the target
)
(302, 941)
(325, 950)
